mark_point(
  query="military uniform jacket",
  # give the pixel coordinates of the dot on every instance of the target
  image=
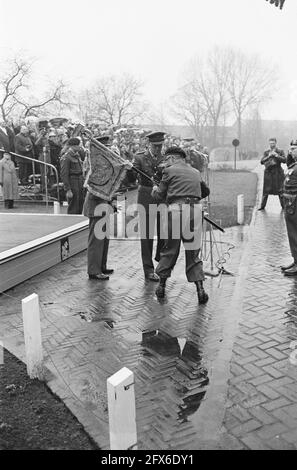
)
(148, 165)
(179, 181)
(273, 174)
(71, 166)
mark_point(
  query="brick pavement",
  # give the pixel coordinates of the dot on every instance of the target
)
(214, 376)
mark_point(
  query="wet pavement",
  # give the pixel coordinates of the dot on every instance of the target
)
(213, 376)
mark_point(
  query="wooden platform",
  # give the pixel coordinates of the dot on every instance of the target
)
(32, 243)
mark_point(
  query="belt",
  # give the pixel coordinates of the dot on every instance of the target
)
(75, 174)
(186, 200)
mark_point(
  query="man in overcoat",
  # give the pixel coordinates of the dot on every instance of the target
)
(24, 146)
(273, 173)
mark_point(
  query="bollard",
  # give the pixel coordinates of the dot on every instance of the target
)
(240, 209)
(56, 207)
(121, 410)
(32, 334)
(121, 218)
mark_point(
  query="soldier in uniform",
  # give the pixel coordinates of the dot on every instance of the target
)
(72, 176)
(98, 246)
(290, 202)
(273, 173)
(180, 184)
(149, 162)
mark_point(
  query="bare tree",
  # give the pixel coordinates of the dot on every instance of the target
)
(16, 95)
(251, 83)
(212, 83)
(189, 107)
(203, 100)
(56, 94)
(13, 80)
(113, 101)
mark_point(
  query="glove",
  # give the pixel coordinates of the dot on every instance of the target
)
(69, 194)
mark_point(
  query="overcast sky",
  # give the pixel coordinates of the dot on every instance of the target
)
(79, 40)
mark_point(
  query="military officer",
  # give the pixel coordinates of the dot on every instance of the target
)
(273, 173)
(290, 199)
(72, 176)
(149, 162)
(180, 185)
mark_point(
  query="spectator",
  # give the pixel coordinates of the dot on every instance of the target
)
(6, 138)
(24, 146)
(72, 176)
(8, 180)
(43, 152)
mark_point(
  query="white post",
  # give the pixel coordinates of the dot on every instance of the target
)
(32, 334)
(56, 207)
(121, 218)
(240, 209)
(121, 410)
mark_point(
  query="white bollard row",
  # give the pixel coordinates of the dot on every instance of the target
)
(120, 386)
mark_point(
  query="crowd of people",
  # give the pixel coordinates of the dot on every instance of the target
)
(47, 140)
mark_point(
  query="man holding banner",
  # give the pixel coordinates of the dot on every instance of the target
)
(105, 174)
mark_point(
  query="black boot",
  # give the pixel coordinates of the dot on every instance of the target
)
(6, 203)
(10, 204)
(160, 291)
(202, 295)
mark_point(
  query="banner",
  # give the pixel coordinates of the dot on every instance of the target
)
(106, 172)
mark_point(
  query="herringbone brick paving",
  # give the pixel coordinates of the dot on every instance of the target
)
(177, 350)
(90, 330)
(262, 393)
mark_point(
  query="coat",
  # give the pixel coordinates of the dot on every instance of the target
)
(7, 140)
(290, 206)
(273, 174)
(8, 178)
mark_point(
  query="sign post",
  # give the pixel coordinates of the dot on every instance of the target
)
(235, 144)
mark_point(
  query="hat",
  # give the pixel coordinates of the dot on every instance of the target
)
(103, 139)
(156, 137)
(176, 151)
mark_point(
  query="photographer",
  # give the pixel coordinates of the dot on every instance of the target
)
(273, 173)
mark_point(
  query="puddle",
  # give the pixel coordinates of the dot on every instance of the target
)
(189, 380)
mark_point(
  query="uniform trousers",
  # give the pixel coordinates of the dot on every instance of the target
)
(291, 222)
(148, 222)
(75, 204)
(170, 250)
(97, 249)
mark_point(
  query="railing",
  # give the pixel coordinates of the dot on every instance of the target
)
(40, 162)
